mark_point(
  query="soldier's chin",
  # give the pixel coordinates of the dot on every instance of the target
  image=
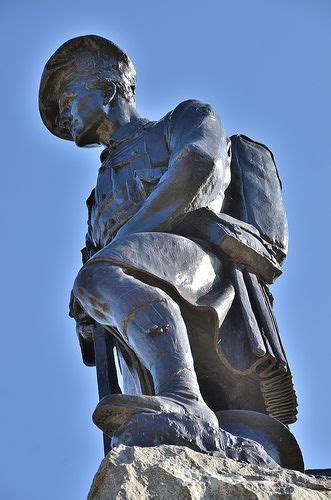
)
(86, 138)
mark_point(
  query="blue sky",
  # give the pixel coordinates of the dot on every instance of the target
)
(265, 67)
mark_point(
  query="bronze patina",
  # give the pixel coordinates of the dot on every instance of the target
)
(186, 230)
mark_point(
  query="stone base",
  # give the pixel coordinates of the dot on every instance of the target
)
(173, 472)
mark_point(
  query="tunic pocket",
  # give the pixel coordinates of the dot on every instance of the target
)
(147, 179)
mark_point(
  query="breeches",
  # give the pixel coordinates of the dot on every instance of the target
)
(174, 261)
(113, 297)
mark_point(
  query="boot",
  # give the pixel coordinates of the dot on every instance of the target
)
(157, 334)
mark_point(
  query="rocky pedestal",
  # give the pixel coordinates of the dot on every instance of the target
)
(172, 472)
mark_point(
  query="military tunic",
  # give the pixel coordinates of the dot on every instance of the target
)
(144, 152)
(133, 221)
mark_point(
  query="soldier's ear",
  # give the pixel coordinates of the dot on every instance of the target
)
(110, 92)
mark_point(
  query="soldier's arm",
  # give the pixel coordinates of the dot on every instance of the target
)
(198, 169)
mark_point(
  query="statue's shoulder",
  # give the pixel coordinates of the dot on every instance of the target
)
(191, 107)
(186, 115)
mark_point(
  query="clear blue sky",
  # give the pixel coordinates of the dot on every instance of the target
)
(265, 67)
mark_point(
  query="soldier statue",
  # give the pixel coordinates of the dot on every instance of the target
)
(186, 229)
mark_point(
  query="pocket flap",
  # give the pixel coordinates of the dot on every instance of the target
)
(147, 179)
(149, 175)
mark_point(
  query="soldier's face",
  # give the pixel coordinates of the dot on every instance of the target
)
(83, 112)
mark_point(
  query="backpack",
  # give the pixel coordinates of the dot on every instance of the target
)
(255, 192)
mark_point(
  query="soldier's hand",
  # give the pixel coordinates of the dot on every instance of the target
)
(84, 323)
(85, 330)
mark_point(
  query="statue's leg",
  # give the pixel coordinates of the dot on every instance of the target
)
(151, 324)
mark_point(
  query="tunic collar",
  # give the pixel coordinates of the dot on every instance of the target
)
(124, 133)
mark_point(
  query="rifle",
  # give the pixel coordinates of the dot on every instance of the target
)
(106, 369)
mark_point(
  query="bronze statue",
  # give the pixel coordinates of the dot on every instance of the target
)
(186, 228)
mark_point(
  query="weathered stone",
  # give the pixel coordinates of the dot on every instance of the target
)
(172, 472)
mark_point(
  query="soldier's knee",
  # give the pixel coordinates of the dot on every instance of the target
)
(89, 288)
(86, 282)
(82, 281)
